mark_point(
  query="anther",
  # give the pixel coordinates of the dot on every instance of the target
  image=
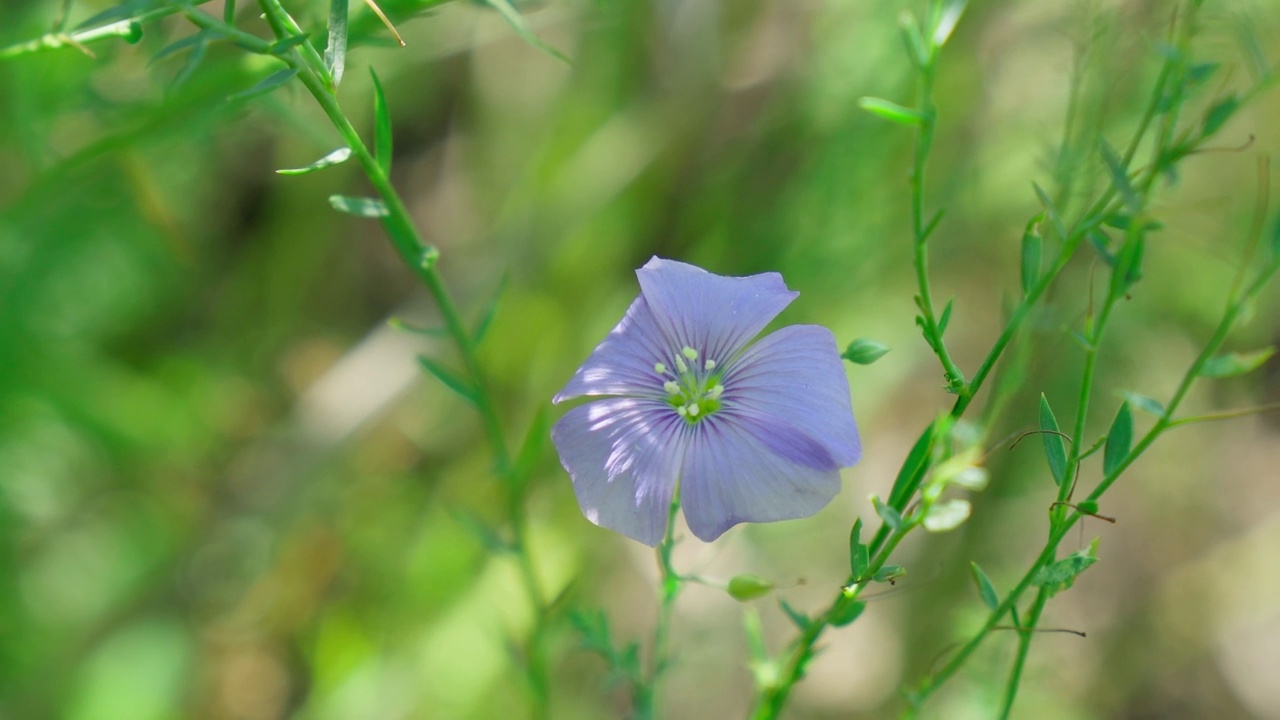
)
(682, 411)
(690, 353)
(681, 366)
(717, 391)
(711, 365)
(693, 410)
(660, 368)
(671, 387)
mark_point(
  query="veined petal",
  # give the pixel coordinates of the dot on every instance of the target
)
(623, 363)
(731, 476)
(624, 457)
(713, 314)
(794, 376)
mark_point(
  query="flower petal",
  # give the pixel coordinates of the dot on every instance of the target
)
(623, 363)
(732, 474)
(624, 456)
(713, 314)
(795, 376)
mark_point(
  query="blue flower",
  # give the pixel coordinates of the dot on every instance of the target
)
(750, 432)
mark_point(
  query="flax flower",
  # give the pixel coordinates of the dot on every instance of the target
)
(748, 432)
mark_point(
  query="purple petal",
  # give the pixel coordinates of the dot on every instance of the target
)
(713, 314)
(733, 474)
(623, 363)
(624, 456)
(794, 376)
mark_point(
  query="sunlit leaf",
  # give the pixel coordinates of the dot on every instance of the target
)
(337, 156)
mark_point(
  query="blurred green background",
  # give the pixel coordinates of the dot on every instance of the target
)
(227, 491)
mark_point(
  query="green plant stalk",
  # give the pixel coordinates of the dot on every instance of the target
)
(1049, 552)
(647, 696)
(80, 38)
(921, 232)
(420, 259)
(774, 699)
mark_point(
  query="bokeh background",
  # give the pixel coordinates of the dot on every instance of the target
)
(228, 491)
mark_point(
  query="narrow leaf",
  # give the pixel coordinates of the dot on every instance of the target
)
(1219, 114)
(451, 379)
(381, 126)
(1054, 447)
(521, 26)
(1128, 268)
(1052, 211)
(908, 480)
(1062, 574)
(194, 59)
(531, 449)
(889, 573)
(284, 45)
(891, 111)
(945, 319)
(864, 352)
(1232, 364)
(335, 51)
(229, 12)
(800, 619)
(913, 39)
(846, 612)
(337, 156)
(432, 332)
(179, 45)
(267, 84)
(859, 557)
(1101, 242)
(1119, 440)
(951, 13)
(490, 311)
(891, 517)
(1119, 176)
(358, 206)
(1145, 404)
(1032, 253)
(986, 590)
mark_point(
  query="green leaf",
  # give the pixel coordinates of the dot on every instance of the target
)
(521, 26)
(1128, 268)
(1218, 115)
(986, 590)
(1119, 440)
(1032, 251)
(398, 324)
(846, 611)
(284, 45)
(531, 448)
(381, 126)
(179, 45)
(890, 573)
(859, 554)
(194, 59)
(335, 51)
(358, 206)
(891, 111)
(945, 320)
(1119, 176)
(486, 319)
(1054, 218)
(749, 587)
(801, 620)
(1101, 242)
(909, 476)
(864, 352)
(1054, 447)
(451, 380)
(1233, 364)
(337, 156)
(1145, 404)
(271, 82)
(913, 39)
(1088, 507)
(891, 517)
(1062, 574)
(489, 538)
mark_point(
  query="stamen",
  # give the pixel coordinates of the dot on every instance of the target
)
(660, 368)
(717, 391)
(690, 353)
(681, 366)
(671, 387)
(682, 411)
(693, 410)
(711, 365)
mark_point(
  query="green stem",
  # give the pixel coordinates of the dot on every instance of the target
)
(1025, 634)
(647, 696)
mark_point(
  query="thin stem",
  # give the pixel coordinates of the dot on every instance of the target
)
(647, 700)
(1025, 633)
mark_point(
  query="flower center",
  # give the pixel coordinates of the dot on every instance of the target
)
(694, 390)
